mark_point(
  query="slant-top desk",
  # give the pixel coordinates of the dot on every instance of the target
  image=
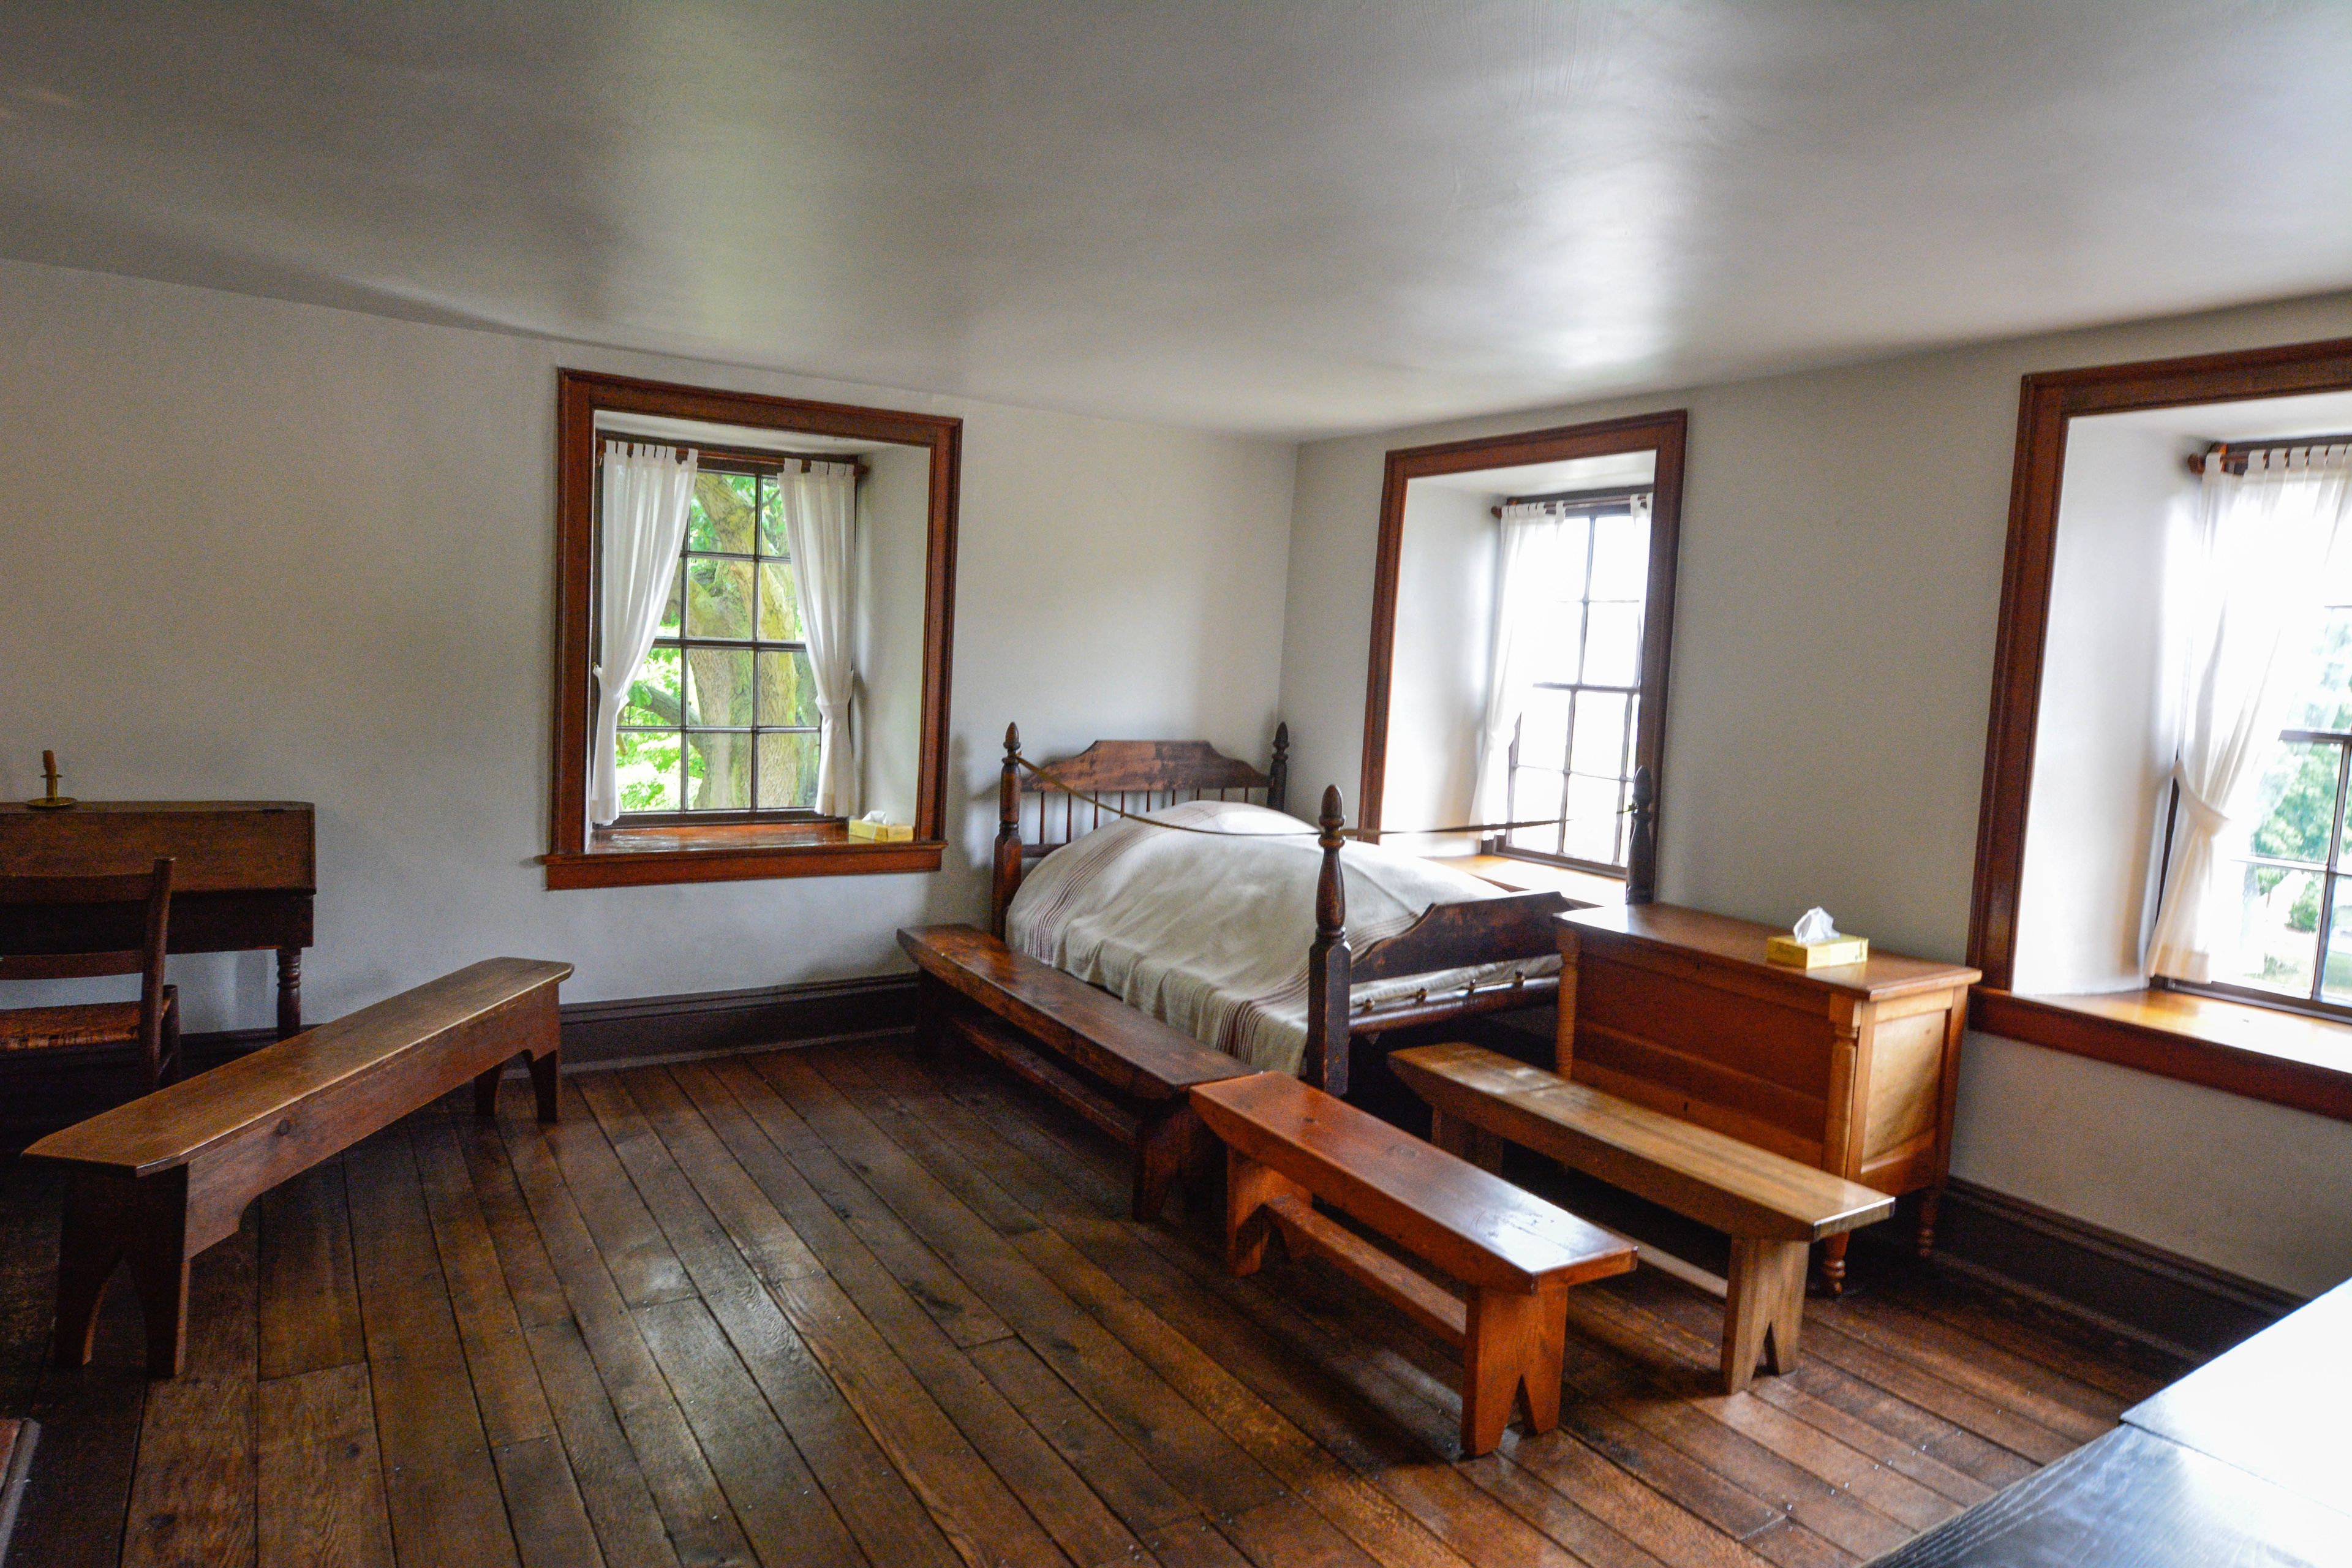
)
(246, 873)
(1851, 1069)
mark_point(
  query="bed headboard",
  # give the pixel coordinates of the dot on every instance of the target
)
(1035, 817)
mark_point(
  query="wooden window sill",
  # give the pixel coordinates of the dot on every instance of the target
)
(1582, 890)
(2259, 1052)
(731, 852)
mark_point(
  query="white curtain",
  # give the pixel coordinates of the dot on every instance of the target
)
(1526, 579)
(821, 521)
(646, 489)
(2253, 584)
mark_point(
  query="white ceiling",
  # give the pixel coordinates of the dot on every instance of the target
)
(2259, 419)
(1282, 215)
(1617, 470)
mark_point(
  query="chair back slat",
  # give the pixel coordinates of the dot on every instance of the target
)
(73, 966)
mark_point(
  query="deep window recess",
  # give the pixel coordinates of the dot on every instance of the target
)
(721, 721)
(1573, 750)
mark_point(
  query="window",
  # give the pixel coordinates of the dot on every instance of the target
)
(1522, 621)
(1578, 632)
(776, 699)
(722, 716)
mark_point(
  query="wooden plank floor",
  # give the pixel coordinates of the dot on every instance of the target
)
(857, 1305)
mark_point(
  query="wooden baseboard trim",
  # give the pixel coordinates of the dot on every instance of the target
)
(2175, 1303)
(626, 1032)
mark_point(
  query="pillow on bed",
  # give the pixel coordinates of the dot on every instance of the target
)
(1208, 928)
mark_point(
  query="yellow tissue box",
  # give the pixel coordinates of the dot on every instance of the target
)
(882, 832)
(1797, 954)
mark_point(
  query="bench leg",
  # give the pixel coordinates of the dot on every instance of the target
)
(486, 1092)
(1511, 1354)
(1249, 1186)
(106, 1220)
(1763, 1310)
(1164, 1145)
(546, 1077)
(1466, 1141)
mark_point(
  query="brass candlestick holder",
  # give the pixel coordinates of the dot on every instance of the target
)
(52, 801)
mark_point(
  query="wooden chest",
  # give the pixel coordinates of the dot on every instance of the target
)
(1853, 1068)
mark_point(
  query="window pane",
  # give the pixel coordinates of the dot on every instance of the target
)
(723, 782)
(779, 603)
(717, 598)
(772, 538)
(669, 622)
(2337, 987)
(1543, 729)
(1591, 819)
(648, 770)
(2326, 702)
(717, 686)
(1600, 733)
(787, 692)
(720, 516)
(788, 771)
(1620, 558)
(2297, 804)
(1612, 645)
(2278, 929)
(1535, 797)
(1548, 645)
(654, 696)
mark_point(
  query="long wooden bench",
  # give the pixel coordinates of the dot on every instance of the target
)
(1773, 1208)
(161, 1179)
(1123, 1070)
(1287, 1142)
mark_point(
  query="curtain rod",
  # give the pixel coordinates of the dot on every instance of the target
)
(2232, 455)
(735, 453)
(1598, 498)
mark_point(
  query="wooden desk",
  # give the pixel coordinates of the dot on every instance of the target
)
(2242, 1461)
(1850, 1070)
(245, 877)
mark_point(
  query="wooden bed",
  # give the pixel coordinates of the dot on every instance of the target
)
(1143, 775)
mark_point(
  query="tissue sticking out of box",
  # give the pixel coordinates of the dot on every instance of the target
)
(1815, 925)
(1815, 942)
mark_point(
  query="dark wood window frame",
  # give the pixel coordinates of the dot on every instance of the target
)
(1663, 433)
(761, 846)
(2224, 1043)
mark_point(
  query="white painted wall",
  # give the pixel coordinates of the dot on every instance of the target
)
(251, 549)
(1841, 567)
(1437, 679)
(2103, 738)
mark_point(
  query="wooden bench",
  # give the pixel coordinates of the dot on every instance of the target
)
(161, 1179)
(1286, 1141)
(1122, 1070)
(1773, 1208)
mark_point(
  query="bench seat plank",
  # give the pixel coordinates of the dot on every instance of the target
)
(1476, 1227)
(1130, 1050)
(1696, 1171)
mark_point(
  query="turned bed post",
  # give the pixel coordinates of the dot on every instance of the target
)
(1005, 879)
(1641, 846)
(1277, 772)
(1330, 961)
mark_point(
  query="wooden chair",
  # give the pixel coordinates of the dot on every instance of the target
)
(106, 912)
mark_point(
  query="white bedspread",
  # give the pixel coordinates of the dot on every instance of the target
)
(1210, 933)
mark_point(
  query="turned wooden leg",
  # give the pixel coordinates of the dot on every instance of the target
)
(1163, 1146)
(1924, 1236)
(486, 1092)
(1249, 1186)
(1763, 1310)
(289, 992)
(1834, 1265)
(1511, 1354)
(546, 1077)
